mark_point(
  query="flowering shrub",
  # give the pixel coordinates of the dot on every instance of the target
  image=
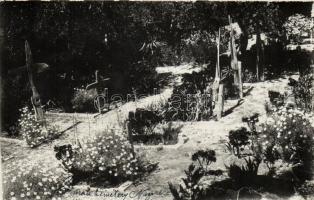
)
(284, 143)
(108, 155)
(24, 180)
(33, 131)
(288, 135)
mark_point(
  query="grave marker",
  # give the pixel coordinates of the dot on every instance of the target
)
(98, 85)
(32, 69)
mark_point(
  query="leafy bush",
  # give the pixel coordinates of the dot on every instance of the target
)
(147, 126)
(238, 139)
(143, 121)
(276, 98)
(200, 46)
(192, 99)
(245, 174)
(249, 77)
(83, 101)
(306, 189)
(33, 131)
(163, 133)
(204, 158)
(168, 56)
(288, 135)
(302, 92)
(170, 133)
(108, 156)
(34, 181)
(193, 188)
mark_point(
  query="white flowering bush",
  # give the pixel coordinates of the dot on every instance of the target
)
(288, 135)
(108, 155)
(33, 131)
(28, 181)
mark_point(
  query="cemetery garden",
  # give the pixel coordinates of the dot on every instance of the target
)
(167, 100)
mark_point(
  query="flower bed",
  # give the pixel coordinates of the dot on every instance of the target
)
(27, 180)
(33, 131)
(108, 159)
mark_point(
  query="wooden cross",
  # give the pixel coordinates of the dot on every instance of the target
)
(235, 64)
(32, 68)
(98, 85)
(234, 59)
(217, 71)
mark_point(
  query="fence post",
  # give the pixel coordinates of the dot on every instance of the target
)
(220, 103)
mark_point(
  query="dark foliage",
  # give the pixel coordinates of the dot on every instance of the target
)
(204, 158)
(192, 99)
(302, 91)
(143, 121)
(276, 98)
(146, 127)
(238, 139)
(243, 175)
(191, 189)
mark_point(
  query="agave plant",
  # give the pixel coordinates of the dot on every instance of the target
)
(191, 189)
(150, 47)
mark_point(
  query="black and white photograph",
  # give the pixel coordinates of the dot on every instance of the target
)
(157, 100)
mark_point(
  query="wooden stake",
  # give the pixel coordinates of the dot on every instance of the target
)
(312, 69)
(233, 55)
(35, 99)
(258, 47)
(220, 103)
(217, 73)
(129, 130)
(240, 80)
